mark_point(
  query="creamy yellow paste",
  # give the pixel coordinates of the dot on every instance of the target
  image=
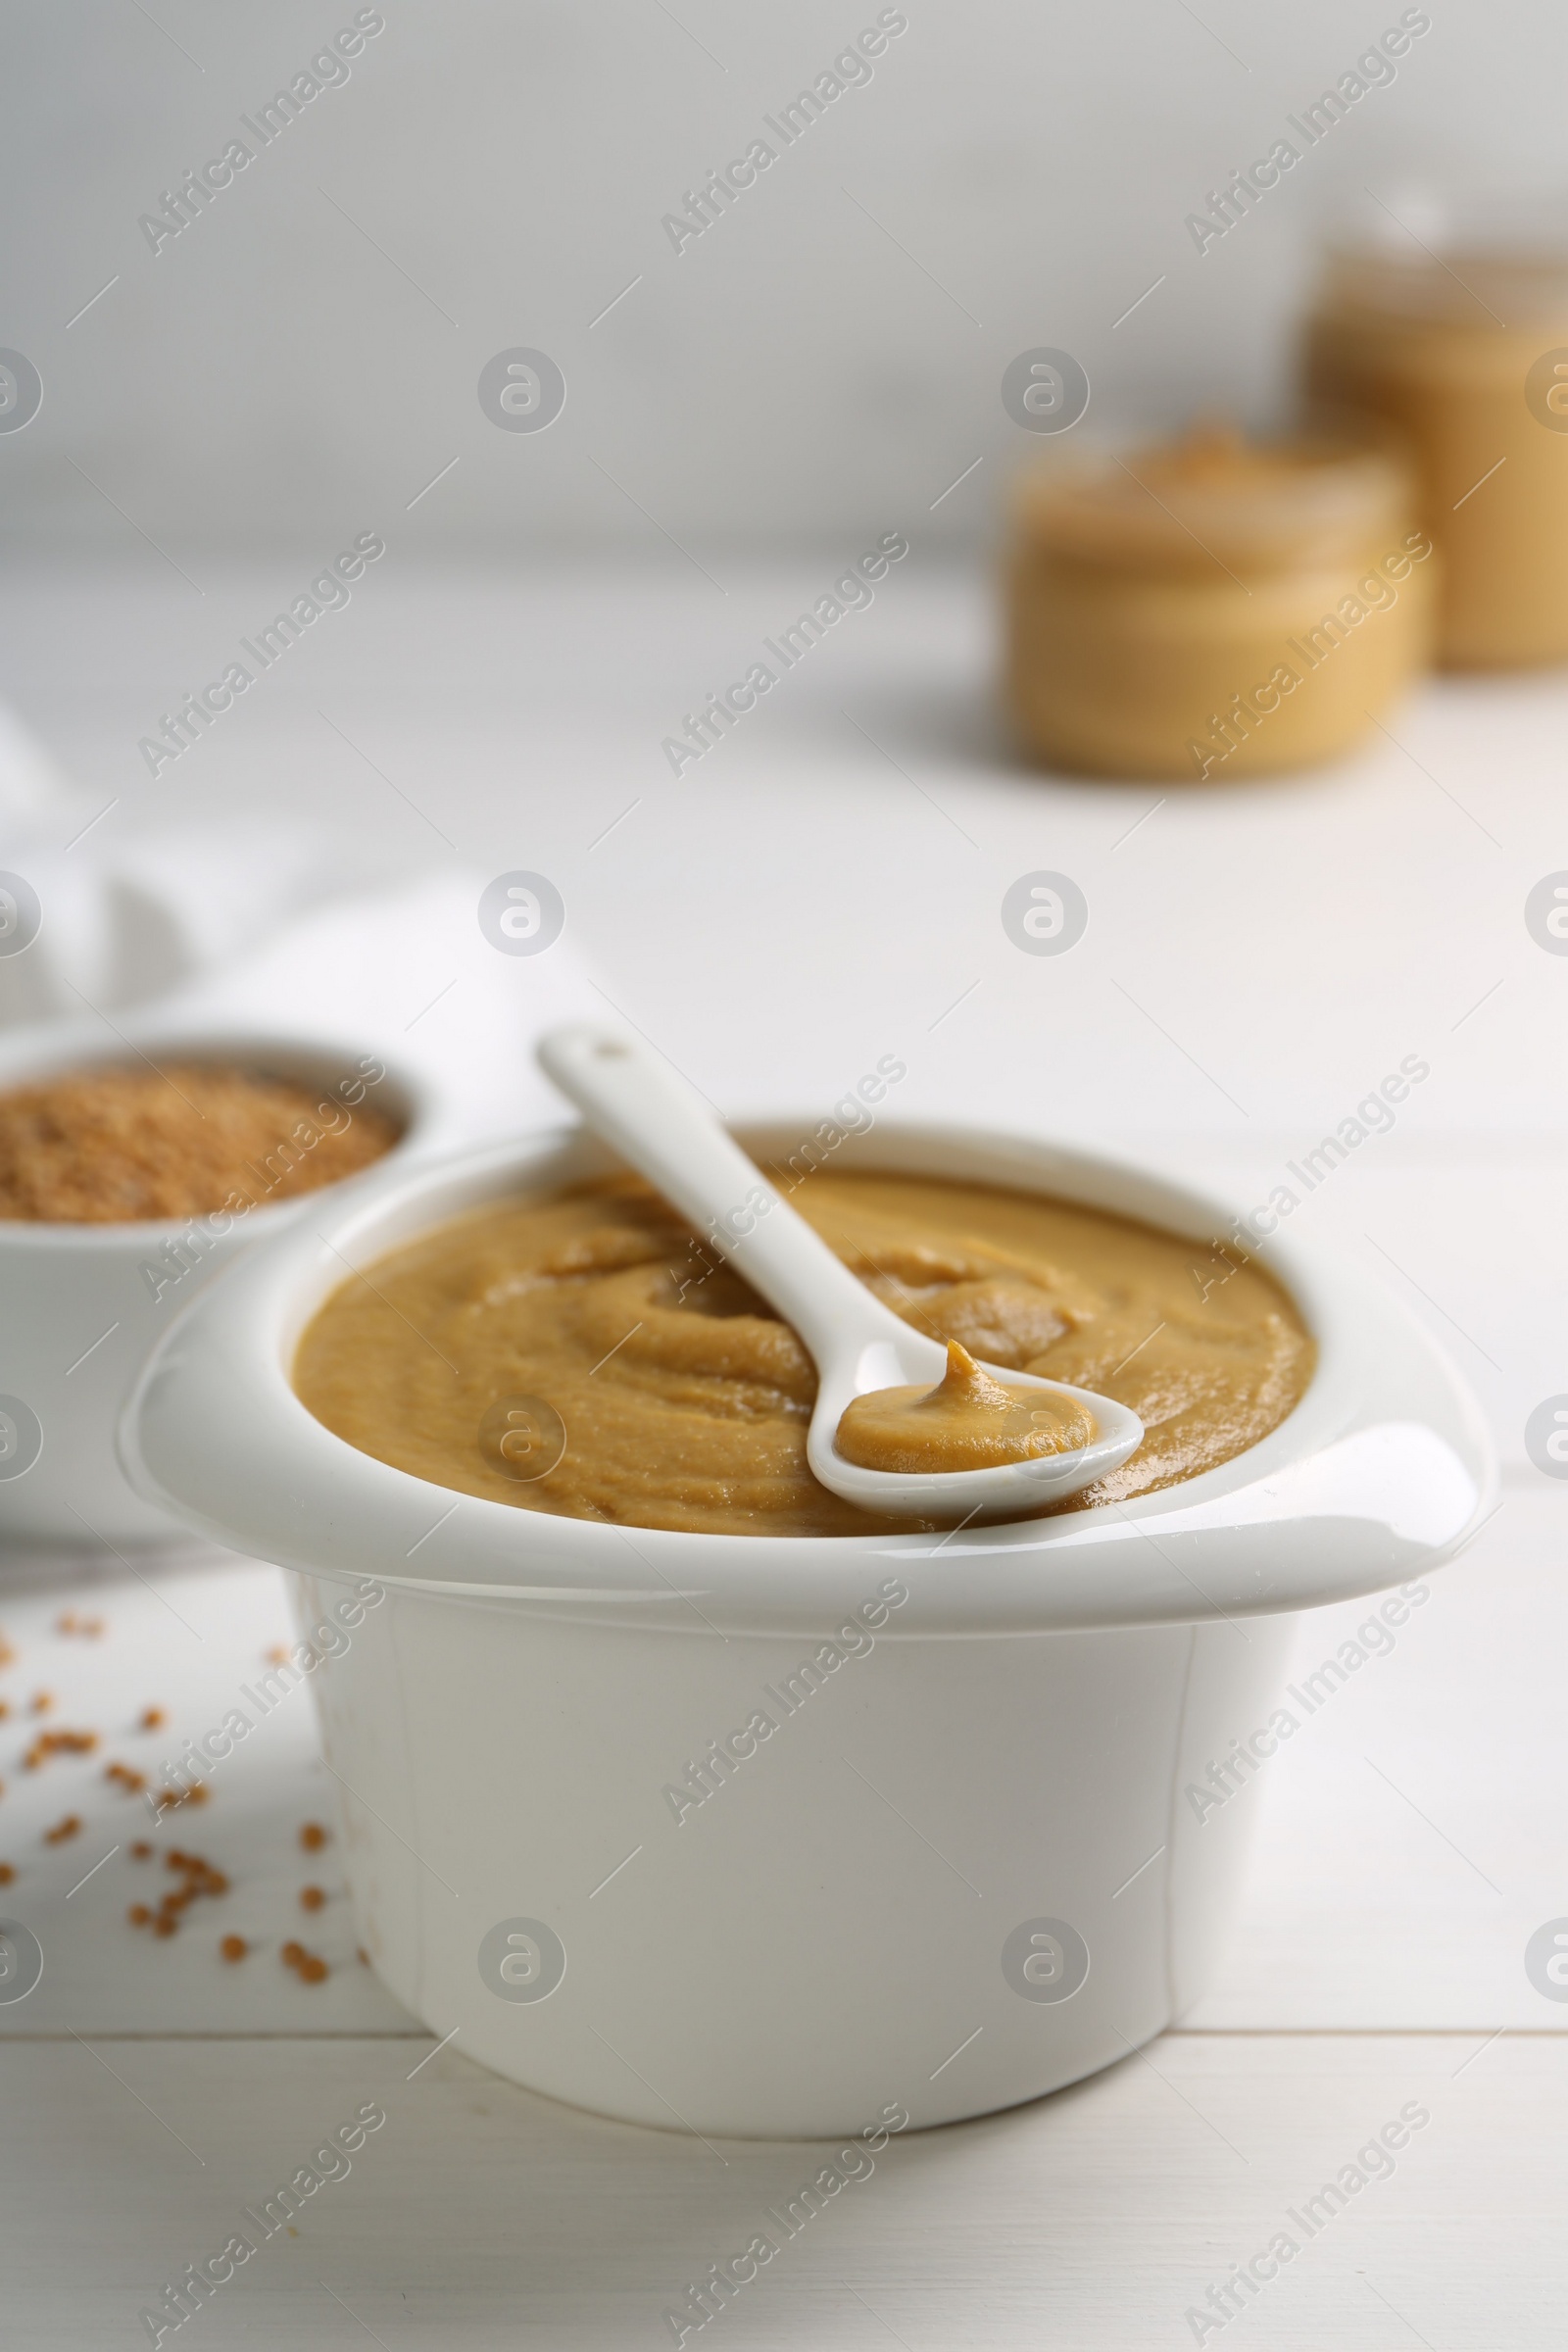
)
(581, 1353)
(966, 1421)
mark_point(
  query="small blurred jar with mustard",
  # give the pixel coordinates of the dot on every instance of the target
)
(1214, 607)
(1465, 354)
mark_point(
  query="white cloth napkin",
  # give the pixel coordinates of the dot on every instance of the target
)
(248, 923)
(410, 972)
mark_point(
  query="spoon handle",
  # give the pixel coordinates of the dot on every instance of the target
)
(633, 1098)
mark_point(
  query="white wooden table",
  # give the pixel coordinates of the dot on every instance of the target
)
(788, 911)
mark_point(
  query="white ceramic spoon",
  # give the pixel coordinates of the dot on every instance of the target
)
(629, 1094)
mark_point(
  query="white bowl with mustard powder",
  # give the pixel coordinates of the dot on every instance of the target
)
(101, 1133)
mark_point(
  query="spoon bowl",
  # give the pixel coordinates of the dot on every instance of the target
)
(638, 1102)
(907, 1358)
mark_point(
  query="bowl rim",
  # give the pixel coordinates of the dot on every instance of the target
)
(54, 1048)
(1235, 1539)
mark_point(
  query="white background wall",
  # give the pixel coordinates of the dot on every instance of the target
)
(277, 375)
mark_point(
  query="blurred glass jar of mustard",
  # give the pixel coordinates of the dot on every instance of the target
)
(1214, 607)
(1466, 354)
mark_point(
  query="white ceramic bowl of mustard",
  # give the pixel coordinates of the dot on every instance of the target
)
(959, 1868)
(82, 1304)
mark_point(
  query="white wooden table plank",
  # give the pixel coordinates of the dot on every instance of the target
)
(1413, 1831)
(190, 1634)
(479, 2216)
(1283, 946)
